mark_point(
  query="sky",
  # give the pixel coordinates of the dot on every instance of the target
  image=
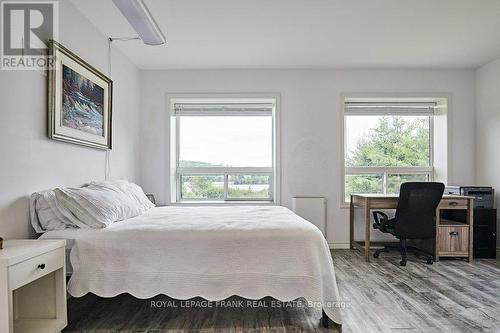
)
(247, 141)
(231, 141)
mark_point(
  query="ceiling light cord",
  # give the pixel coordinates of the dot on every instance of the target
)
(107, 163)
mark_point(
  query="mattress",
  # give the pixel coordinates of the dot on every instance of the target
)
(213, 252)
(69, 235)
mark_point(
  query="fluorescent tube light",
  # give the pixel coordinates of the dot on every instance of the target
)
(139, 17)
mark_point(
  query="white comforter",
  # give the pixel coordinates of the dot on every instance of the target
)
(213, 252)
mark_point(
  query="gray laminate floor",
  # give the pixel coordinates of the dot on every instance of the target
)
(381, 296)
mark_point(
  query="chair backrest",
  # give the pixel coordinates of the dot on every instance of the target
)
(416, 211)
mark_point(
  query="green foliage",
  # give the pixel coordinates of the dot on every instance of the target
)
(212, 187)
(395, 141)
(249, 179)
(240, 193)
(202, 187)
(395, 181)
(363, 184)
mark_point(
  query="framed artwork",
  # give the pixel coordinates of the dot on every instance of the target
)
(80, 101)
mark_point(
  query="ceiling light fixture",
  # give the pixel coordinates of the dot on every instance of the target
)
(139, 17)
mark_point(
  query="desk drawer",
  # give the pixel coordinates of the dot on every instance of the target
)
(455, 203)
(36, 267)
(453, 241)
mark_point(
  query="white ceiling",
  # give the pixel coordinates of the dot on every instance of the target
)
(309, 33)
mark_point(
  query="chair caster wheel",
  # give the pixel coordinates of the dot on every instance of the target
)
(402, 262)
(375, 255)
(430, 261)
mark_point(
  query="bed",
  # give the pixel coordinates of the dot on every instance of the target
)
(213, 252)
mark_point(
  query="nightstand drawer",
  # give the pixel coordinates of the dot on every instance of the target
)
(36, 267)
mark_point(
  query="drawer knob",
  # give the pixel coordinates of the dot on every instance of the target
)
(41, 266)
(453, 203)
(454, 233)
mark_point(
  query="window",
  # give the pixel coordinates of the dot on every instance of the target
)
(224, 150)
(386, 144)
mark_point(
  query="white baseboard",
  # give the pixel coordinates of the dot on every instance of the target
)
(339, 245)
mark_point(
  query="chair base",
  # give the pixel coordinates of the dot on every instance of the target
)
(403, 249)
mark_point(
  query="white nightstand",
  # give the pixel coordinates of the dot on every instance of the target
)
(32, 286)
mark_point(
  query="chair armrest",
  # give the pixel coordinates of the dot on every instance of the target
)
(380, 218)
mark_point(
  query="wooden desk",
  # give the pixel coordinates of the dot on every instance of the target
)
(453, 239)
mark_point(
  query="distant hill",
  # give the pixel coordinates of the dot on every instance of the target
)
(194, 164)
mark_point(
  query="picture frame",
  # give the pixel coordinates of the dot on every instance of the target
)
(79, 100)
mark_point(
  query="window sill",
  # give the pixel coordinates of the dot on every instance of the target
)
(223, 203)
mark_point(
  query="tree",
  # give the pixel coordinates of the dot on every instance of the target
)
(212, 186)
(202, 187)
(395, 141)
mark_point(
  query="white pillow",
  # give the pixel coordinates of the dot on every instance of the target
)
(47, 214)
(98, 206)
(137, 191)
(132, 190)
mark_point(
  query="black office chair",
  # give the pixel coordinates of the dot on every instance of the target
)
(415, 218)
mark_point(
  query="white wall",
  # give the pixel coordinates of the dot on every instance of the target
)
(310, 123)
(488, 128)
(29, 161)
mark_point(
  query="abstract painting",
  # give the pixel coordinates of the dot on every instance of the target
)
(79, 101)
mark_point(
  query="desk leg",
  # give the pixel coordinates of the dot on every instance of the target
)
(367, 229)
(436, 241)
(470, 222)
(351, 225)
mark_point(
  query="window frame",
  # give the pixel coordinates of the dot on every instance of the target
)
(176, 172)
(384, 171)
